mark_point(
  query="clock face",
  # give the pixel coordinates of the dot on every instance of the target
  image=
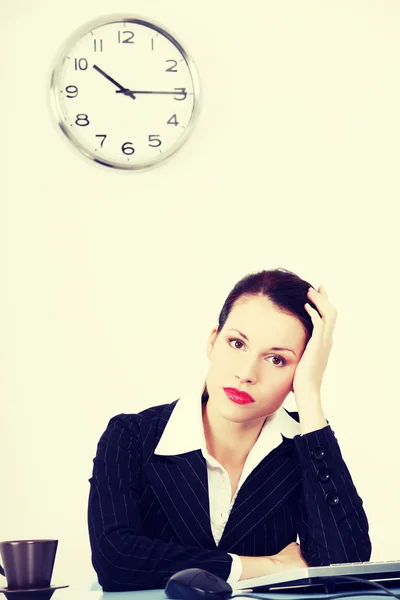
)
(125, 92)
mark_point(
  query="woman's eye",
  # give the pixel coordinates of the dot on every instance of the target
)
(236, 342)
(238, 345)
(279, 358)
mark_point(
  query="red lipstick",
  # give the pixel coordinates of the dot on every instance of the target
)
(238, 396)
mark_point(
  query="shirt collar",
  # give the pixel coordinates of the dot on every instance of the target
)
(184, 431)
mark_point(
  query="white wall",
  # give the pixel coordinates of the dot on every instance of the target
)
(112, 281)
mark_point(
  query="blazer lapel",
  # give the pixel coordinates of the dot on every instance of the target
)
(181, 486)
(263, 492)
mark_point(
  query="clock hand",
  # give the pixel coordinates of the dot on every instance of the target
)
(121, 88)
(129, 92)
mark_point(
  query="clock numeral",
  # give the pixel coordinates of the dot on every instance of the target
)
(173, 121)
(98, 44)
(127, 148)
(81, 64)
(172, 69)
(72, 91)
(155, 138)
(127, 40)
(103, 140)
(82, 120)
(182, 93)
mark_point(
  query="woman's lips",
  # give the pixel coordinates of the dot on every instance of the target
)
(238, 396)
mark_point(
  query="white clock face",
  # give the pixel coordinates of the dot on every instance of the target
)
(125, 92)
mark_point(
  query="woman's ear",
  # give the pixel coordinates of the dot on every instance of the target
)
(210, 342)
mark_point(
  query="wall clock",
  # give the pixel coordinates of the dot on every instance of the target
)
(125, 92)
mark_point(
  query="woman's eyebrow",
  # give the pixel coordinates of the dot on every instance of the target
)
(275, 348)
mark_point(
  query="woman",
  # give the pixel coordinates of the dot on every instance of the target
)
(226, 479)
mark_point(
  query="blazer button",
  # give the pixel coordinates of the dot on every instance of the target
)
(318, 453)
(332, 498)
(324, 475)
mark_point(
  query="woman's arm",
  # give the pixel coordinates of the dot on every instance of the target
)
(122, 555)
(332, 524)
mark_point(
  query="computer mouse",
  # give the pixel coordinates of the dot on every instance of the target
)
(197, 584)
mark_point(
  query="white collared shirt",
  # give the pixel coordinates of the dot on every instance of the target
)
(184, 432)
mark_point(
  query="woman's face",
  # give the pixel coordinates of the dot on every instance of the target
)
(244, 356)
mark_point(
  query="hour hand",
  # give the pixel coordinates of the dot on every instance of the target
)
(124, 90)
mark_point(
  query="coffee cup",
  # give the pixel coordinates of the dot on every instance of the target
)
(28, 564)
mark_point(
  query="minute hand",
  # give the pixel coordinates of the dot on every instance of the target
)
(177, 92)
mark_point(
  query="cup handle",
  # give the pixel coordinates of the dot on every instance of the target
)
(2, 571)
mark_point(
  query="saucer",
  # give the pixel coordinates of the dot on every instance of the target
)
(32, 594)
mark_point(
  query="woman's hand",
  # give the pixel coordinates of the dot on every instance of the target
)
(287, 559)
(310, 370)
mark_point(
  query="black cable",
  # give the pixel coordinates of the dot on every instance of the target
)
(332, 595)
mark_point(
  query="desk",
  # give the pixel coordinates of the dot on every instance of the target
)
(68, 594)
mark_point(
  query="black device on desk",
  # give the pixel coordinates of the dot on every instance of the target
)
(197, 584)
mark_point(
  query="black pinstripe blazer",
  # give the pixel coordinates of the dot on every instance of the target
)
(148, 515)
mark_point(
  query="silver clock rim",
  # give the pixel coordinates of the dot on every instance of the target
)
(57, 65)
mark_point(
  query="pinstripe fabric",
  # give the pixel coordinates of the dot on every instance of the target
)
(148, 515)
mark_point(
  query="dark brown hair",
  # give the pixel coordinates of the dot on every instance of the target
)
(285, 289)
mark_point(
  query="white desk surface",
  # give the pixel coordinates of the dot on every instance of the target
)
(70, 594)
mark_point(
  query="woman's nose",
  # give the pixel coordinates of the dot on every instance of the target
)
(247, 372)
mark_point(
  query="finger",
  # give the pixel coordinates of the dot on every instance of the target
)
(333, 311)
(322, 290)
(324, 325)
(325, 308)
(319, 296)
(314, 314)
(323, 328)
(317, 310)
